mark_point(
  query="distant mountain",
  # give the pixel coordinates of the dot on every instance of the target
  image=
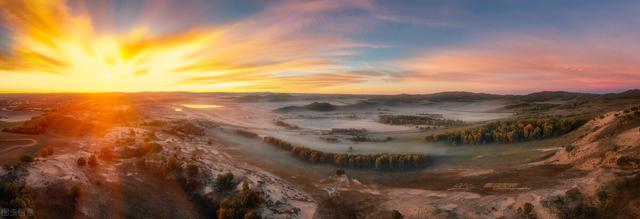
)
(630, 94)
(519, 101)
(555, 95)
(435, 97)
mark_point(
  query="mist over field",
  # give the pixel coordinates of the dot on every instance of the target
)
(318, 156)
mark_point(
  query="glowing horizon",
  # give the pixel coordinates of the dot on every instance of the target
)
(351, 46)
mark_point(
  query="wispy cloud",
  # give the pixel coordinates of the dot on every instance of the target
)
(303, 37)
(529, 63)
(76, 45)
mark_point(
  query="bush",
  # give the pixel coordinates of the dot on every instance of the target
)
(569, 148)
(12, 196)
(571, 205)
(395, 214)
(249, 198)
(81, 161)
(93, 160)
(27, 159)
(602, 196)
(46, 152)
(226, 213)
(242, 205)
(148, 147)
(224, 182)
(526, 212)
(340, 172)
(251, 215)
(626, 161)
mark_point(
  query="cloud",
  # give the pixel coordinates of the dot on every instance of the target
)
(528, 63)
(307, 38)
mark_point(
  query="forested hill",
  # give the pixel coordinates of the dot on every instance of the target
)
(510, 131)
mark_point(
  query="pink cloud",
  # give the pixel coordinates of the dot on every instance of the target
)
(530, 63)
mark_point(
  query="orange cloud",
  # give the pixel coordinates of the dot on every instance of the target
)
(51, 42)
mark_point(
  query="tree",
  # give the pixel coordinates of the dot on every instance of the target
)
(226, 213)
(379, 163)
(251, 215)
(81, 161)
(249, 198)
(225, 182)
(526, 212)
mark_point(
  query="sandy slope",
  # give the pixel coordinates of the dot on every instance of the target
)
(590, 153)
(104, 184)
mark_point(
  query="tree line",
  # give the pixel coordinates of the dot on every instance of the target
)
(510, 131)
(381, 161)
(417, 120)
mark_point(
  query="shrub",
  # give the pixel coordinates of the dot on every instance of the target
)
(27, 159)
(571, 205)
(225, 182)
(526, 212)
(12, 196)
(81, 161)
(340, 172)
(46, 152)
(240, 205)
(148, 147)
(251, 215)
(602, 196)
(395, 214)
(569, 148)
(625, 161)
(226, 213)
(249, 198)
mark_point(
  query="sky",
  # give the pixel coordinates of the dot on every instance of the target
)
(340, 46)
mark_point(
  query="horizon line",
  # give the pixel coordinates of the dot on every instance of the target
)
(310, 93)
